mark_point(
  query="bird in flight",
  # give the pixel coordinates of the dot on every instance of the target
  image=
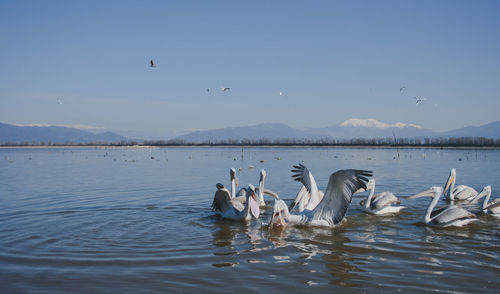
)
(225, 89)
(152, 64)
(401, 89)
(419, 100)
(281, 93)
(59, 101)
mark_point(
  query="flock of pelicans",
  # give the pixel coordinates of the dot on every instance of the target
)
(317, 208)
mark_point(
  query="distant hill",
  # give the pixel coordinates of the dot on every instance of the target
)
(352, 128)
(491, 130)
(24, 134)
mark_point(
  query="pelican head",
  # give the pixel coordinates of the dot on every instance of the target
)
(219, 186)
(232, 174)
(262, 175)
(280, 214)
(253, 201)
(450, 181)
(432, 192)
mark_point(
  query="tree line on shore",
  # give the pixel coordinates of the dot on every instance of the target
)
(375, 142)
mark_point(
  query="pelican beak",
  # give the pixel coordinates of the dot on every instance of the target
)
(450, 180)
(427, 193)
(277, 220)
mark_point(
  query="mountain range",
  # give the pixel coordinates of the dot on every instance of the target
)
(352, 128)
(53, 134)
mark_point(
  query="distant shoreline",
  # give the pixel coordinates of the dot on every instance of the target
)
(247, 146)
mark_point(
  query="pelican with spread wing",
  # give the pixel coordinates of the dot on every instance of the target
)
(332, 208)
(306, 198)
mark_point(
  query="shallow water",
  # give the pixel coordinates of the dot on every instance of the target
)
(93, 220)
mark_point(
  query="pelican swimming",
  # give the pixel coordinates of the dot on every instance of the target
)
(449, 216)
(231, 209)
(494, 206)
(331, 209)
(460, 192)
(381, 203)
(306, 198)
(261, 191)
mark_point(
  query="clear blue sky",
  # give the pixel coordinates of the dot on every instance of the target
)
(86, 63)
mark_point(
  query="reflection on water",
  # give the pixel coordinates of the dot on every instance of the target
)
(121, 220)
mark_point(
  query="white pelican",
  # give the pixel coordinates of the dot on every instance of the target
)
(449, 216)
(460, 192)
(231, 209)
(381, 203)
(331, 209)
(152, 64)
(306, 198)
(261, 191)
(494, 206)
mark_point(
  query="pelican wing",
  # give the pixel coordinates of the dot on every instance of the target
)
(341, 186)
(495, 203)
(222, 200)
(452, 214)
(302, 175)
(384, 199)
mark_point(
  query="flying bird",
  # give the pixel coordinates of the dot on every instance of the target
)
(225, 89)
(419, 100)
(281, 93)
(152, 64)
(401, 89)
(59, 101)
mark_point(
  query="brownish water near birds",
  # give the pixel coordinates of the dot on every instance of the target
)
(93, 220)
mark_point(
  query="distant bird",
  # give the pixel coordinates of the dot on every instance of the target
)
(208, 90)
(401, 89)
(419, 100)
(225, 89)
(59, 101)
(281, 93)
(152, 63)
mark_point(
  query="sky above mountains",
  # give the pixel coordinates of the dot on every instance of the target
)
(86, 63)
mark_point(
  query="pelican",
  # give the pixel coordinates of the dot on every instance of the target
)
(331, 209)
(230, 209)
(306, 198)
(460, 192)
(152, 64)
(381, 203)
(261, 191)
(494, 206)
(450, 216)
(234, 182)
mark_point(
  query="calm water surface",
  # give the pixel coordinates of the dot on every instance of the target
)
(93, 220)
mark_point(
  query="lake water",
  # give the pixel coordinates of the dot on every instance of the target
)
(95, 220)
